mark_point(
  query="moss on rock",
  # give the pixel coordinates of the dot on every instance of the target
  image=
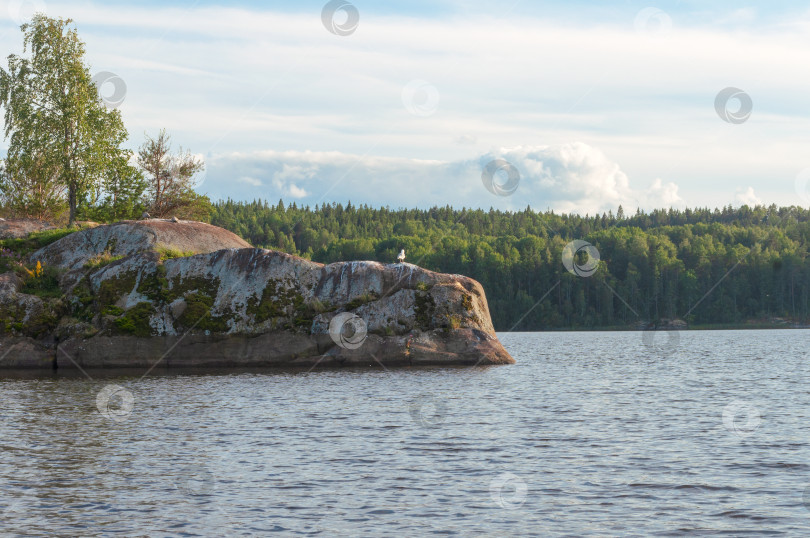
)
(181, 286)
(136, 320)
(424, 308)
(276, 302)
(198, 314)
(466, 302)
(111, 290)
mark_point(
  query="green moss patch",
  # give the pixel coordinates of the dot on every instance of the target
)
(424, 307)
(168, 253)
(9, 318)
(274, 302)
(112, 289)
(360, 301)
(181, 286)
(136, 320)
(112, 310)
(101, 260)
(198, 314)
(466, 302)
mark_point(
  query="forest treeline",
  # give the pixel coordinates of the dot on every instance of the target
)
(721, 266)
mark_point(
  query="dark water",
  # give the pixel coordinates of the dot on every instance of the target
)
(590, 434)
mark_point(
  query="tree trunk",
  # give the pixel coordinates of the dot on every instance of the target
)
(72, 204)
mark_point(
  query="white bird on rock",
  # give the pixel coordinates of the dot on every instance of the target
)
(401, 256)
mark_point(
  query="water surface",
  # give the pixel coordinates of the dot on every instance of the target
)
(590, 434)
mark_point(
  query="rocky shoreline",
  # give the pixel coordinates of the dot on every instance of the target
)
(157, 293)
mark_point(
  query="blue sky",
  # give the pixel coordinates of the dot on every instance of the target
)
(595, 104)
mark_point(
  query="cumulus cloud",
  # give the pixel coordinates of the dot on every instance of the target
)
(297, 192)
(225, 79)
(748, 197)
(569, 178)
(581, 179)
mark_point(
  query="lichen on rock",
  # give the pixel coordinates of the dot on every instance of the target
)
(222, 302)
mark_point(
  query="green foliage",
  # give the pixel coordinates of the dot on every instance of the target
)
(167, 253)
(279, 301)
(660, 264)
(65, 146)
(101, 260)
(58, 127)
(30, 187)
(35, 241)
(360, 301)
(41, 323)
(9, 260)
(182, 286)
(42, 281)
(81, 305)
(136, 320)
(198, 315)
(171, 178)
(112, 310)
(119, 196)
(111, 290)
(272, 304)
(425, 307)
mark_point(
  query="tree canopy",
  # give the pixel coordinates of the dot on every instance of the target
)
(171, 179)
(722, 266)
(56, 123)
(66, 149)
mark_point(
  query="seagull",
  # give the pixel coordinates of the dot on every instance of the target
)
(401, 256)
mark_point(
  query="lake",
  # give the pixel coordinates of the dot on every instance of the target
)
(590, 434)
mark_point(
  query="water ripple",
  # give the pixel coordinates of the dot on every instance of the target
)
(590, 434)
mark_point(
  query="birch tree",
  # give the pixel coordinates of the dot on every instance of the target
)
(54, 117)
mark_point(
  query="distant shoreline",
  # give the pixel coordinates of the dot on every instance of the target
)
(701, 327)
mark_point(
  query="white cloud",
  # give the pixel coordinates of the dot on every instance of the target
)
(231, 80)
(579, 178)
(297, 192)
(570, 177)
(298, 171)
(747, 197)
(250, 181)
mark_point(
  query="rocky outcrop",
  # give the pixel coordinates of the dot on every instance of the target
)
(26, 353)
(21, 313)
(18, 228)
(136, 296)
(131, 237)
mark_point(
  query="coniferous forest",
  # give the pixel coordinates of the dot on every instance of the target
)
(721, 267)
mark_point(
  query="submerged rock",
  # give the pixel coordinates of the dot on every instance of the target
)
(136, 295)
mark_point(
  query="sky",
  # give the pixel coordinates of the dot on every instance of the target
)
(582, 106)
